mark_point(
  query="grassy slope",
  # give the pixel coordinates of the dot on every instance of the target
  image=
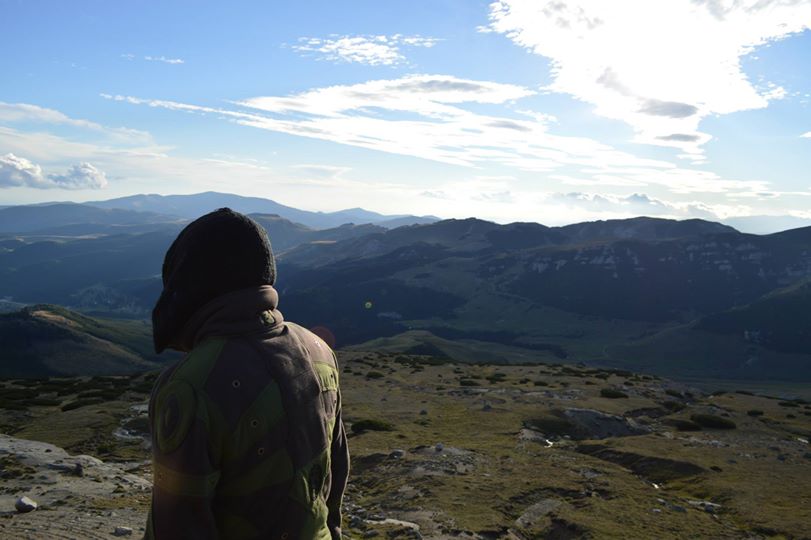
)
(51, 340)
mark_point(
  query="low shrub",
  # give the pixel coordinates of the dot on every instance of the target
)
(682, 424)
(81, 403)
(612, 393)
(374, 375)
(371, 425)
(45, 402)
(674, 406)
(468, 382)
(788, 404)
(754, 412)
(711, 421)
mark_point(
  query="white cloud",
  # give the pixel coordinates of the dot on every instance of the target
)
(164, 59)
(429, 117)
(81, 176)
(806, 135)
(17, 171)
(377, 50)
(659, 66)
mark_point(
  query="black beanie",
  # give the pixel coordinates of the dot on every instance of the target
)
(217, 253)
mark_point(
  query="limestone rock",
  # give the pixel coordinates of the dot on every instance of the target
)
(24, 504)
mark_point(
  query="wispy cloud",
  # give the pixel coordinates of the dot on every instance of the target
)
(17, 171)
(429, 116)
(659, 66)
(379, 50)
(12, 113)
(164, 59)
(806, 135)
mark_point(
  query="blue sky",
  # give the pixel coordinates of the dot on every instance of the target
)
(513, 110)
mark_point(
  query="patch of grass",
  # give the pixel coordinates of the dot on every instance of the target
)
(375, 375)
(468, 382)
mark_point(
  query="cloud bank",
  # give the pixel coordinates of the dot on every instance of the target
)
(17, 171)
(661, 67)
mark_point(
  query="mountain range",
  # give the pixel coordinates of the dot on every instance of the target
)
(686, 297)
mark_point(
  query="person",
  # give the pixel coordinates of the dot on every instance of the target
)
(247, 437)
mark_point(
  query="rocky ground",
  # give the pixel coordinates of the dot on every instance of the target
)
(452, 451)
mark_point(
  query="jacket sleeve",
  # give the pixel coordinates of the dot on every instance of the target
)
(340, 474)
(184, 474)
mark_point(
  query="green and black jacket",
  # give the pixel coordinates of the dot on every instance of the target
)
(247, 436)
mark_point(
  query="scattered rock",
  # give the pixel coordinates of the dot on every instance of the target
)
(122, 531)
(439, 447)
(24, 505)
(423, 412)
(707, 506)
(537, 511)
(534, 436)
(397, 453)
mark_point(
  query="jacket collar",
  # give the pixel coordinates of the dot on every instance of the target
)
(246, 311)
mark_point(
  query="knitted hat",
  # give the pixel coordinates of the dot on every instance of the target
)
(217, 253)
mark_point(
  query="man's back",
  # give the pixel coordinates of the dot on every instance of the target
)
(246, 430)
(247, 436)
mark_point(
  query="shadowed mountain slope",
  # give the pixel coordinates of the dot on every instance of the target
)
(47, 340)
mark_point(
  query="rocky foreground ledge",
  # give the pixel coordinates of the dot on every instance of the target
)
(76, 496)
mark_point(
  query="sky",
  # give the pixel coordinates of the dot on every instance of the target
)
(515, 110)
